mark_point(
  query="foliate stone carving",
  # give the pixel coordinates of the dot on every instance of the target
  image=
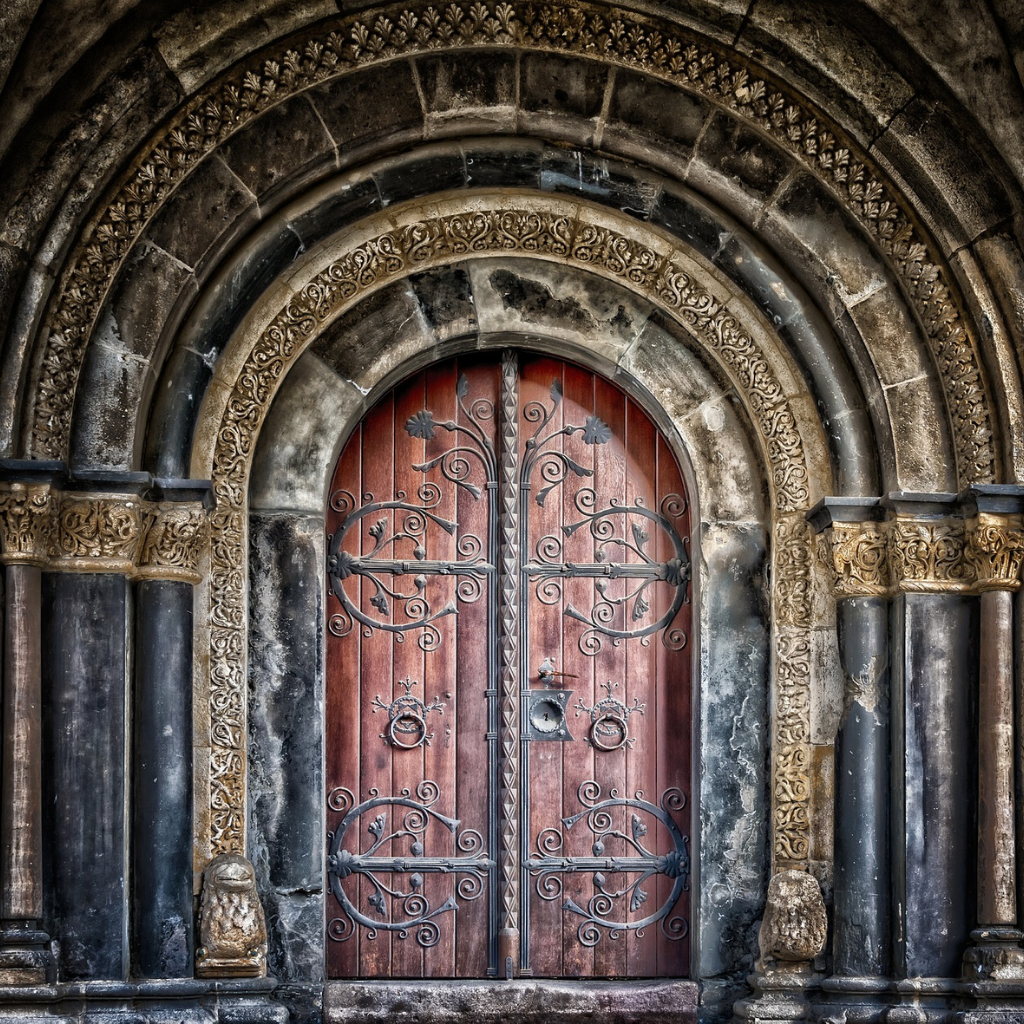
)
(995, 550)
(232, 928)
(631, 39)
(537, 230)
(794, 926)
(26, 522)
(857, 557)
(98, 534)
(792, 612)
(927, 556)
(173, 542)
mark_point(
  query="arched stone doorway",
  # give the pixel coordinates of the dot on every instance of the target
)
(509, 550)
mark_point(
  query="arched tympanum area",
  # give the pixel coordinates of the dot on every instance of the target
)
(776, 268)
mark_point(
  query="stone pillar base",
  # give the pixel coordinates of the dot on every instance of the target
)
(995, 954)
(781, 994)
(25, 955)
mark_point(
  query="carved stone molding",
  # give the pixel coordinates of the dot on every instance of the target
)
(857, 558)
(995, 550)
(926, 556)
(173, 543)
(26, 523)
(795, 925)
(98, 533)
(630, 39)
(494, 224)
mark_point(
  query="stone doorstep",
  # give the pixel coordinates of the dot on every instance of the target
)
(523, 1001)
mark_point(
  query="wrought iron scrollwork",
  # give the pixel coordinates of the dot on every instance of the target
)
(623, 530)
(401, 907)
(407, 717)
(555, 466)
(608, 910)
(395, 525)
(609, 720)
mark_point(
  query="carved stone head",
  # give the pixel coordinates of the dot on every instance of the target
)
(232, 929)
(794, 926)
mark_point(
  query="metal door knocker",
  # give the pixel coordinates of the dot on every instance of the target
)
(609, 720)
(407, 718)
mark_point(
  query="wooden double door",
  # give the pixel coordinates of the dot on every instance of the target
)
(508, 700)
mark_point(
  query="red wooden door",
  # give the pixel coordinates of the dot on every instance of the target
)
(508, 682)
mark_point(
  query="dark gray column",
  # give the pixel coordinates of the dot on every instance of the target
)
(85, 668)
(162, 927)
(857, 555)
(162, 930)
(861, 897)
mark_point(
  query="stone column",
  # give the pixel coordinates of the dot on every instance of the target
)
(995, 549)
(26, 518)
(934, 668)
(87, 606)
(162, 926)
(855, 551)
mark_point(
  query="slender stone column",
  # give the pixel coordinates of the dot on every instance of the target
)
(996, 547)
(87, 604)
(162, 926)
(855, 551)
(25, 529)
(934, 667)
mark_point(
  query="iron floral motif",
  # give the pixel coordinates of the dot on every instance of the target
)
(396, 524)
(609, 720)
(400, 907)
(601, 910)
(407, 717)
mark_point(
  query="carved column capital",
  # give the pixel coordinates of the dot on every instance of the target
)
(995, 550)
(857, 559)
(26, 522)
(98, 533)
(928, 555)
(174, 539)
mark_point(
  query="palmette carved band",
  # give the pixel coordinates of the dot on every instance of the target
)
(74, 532)
(908, 555)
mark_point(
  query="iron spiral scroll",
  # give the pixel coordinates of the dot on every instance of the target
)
(601, 916)
(401, 907)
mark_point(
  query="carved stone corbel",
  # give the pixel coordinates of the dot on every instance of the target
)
(995, 550)
(26, 523)
(173, 543)
(929, 556)
(98, 533)
(856, 556)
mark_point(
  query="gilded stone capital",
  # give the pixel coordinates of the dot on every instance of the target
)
(929, 556)
(98, 533)
(857, 559)
(26, 522)
(995, 550)
(174, 539)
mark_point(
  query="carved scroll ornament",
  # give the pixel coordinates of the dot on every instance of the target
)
(632, 39)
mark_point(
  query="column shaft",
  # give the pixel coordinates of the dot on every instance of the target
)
(934, 666)
(861, 929)
(21, 844)
(162, 928)
(997, 902)
(85, 671)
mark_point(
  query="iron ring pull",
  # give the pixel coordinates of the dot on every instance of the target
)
(612, 725)
(405, 725)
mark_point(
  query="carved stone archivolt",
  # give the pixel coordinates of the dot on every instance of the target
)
(923, 555)
(76, 532)
(505, 224)
(631, 39)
